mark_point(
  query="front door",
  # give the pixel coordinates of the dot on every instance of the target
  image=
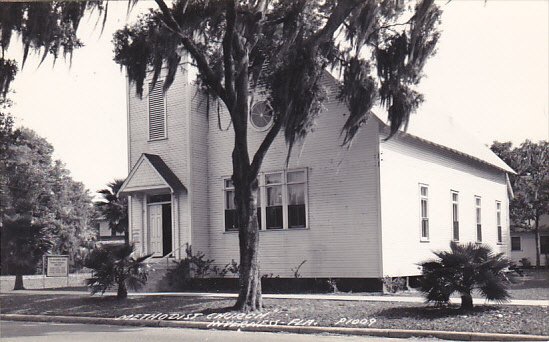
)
(155, 229)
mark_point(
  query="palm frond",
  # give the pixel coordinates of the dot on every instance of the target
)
(463, 269)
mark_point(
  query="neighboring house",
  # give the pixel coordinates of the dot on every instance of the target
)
(374, 210)
(523, 244)
(105, 233)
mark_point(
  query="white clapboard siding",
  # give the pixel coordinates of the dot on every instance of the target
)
(405, 163)
(342, 239)
(173, 150)
(363, 203)
(198, 171)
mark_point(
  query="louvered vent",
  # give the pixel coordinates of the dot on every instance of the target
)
(157, 111)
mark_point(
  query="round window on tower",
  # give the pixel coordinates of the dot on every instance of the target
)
(261, 115)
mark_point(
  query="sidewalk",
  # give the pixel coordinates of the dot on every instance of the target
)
(342, 297)
(389, 333)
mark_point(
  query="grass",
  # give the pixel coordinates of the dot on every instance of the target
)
(533, 285)
(484, 318)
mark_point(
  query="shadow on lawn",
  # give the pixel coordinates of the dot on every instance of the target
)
(533, 279)
(218, 310)
(104, 306)
(431, 312)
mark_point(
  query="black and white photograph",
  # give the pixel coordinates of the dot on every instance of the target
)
(274, 170)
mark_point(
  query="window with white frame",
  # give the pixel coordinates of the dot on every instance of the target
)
(231, 218)
(478, 219)
(455, 216)
(157, 111)
(296, 183)
(424, 211)
(274, 200)
(498, 221)
(281, 201)
(230, 207)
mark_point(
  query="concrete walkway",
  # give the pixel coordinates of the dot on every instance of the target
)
(339, 297)
(316, 330)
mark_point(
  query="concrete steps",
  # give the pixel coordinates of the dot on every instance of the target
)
(159, 267)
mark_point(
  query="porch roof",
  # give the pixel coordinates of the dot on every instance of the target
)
(149, 173)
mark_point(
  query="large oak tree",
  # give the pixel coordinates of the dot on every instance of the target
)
(378, 47)
(42, 209)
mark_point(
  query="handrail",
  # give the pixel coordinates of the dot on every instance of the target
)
(167, 256)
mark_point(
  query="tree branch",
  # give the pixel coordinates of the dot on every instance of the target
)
(338, 16)
(264, 147)
(387, 27)
(228, 54)
(203, 66)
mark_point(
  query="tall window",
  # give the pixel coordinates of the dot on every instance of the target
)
(478, 219)
(424, 208)
(296, 199)
(455, 216)
(230, 208)
(515, 243)
(281, 201)
(157, 111)
(274, 214)
(498, 221)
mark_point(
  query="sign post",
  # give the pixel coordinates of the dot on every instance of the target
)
(57, 266)
(43, 271)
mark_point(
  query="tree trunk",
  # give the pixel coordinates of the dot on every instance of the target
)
(122, 292)
(249, 296)
(18, 281)
(126, 236)
(466, 301)
(536, 239)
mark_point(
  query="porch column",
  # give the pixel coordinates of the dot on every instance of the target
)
(144, 223)
(175, 226)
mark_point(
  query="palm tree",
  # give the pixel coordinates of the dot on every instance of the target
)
(115, 265)
(464, 269)
(114, 208)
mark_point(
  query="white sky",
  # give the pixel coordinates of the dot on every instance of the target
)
(491, 74)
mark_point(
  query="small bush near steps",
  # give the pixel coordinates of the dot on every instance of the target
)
(394, 284)
(116, 266)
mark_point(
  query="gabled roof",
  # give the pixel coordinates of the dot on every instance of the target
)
(444, 132)
(158, 175)
(439, 130)
(165, 171)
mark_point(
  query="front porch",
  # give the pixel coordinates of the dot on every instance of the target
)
(155, 197)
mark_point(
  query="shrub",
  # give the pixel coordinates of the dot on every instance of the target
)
(332, 285)
(115, 265)
(232, 268)
(464, 269)
(394, 284)
(195, 265)
(525, 262)
(295, 271)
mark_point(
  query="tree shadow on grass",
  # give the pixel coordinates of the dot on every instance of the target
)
(432, 312)
(531, 279)
(153, 304)
(218, 310)
(106, 306)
